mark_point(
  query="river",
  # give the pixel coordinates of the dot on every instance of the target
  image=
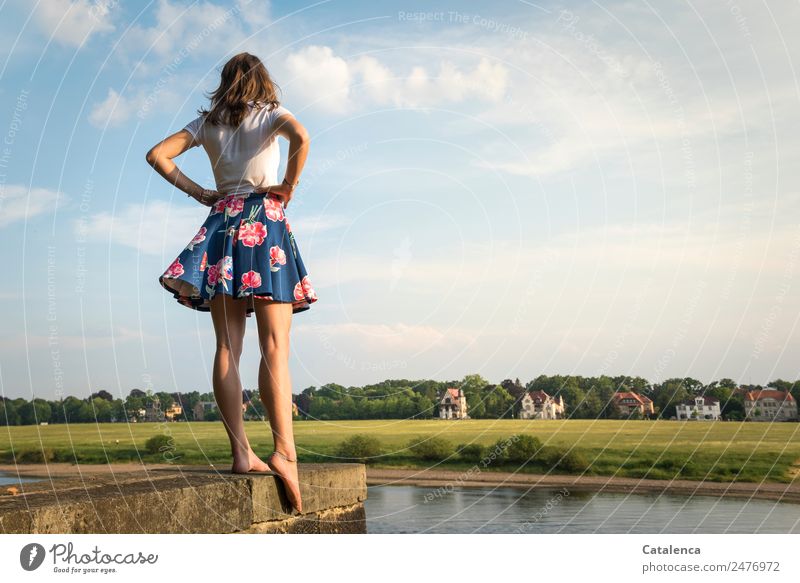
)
(410, 509)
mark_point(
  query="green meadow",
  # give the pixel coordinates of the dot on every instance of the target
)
(717, 451)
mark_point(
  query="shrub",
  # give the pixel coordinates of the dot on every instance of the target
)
(573, 461)
(431, 448)
(521, 448)
(35, 456)
(363, 448)
(566, 461)
(159, 443)
(472, 452)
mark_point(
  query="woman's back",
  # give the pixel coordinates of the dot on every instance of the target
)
(245, 157)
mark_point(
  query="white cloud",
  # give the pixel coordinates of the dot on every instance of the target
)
(334, 84)
(114, 110)
(19, 202)
(73, 22)
(184, 30)
(320, 77)
(153, 228)
(379, 337)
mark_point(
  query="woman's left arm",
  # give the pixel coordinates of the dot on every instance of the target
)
(160, 158)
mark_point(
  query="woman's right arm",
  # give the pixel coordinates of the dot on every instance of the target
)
(299, 142)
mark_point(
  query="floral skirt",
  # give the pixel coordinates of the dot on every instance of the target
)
(244, 249)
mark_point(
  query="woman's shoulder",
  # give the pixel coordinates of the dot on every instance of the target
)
(268, 113)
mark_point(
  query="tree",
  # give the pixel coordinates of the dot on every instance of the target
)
(8, 414)
(165, 399)
(34, 412)
(499, 402)
(103, 395)
(102, 410)
(71, 407)
(424, 407)
(668, 394)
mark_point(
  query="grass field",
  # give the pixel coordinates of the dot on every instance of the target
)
(719, 451)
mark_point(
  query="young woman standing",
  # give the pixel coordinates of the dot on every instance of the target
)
(244, 258)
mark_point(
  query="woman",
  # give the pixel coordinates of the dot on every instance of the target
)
(244, 258)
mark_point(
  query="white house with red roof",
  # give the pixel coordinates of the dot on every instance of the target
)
(453, 404)
(700, 408)
(627, 402)
(769, 405)
(540, 405)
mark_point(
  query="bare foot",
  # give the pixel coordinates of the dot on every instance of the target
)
(287, 470)
(250, 464)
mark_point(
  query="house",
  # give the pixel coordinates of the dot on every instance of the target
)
(201, 408)
(174, 411)
(453, 404)
(700, 408)
(540, 405)
(628, 402)
(769, 405)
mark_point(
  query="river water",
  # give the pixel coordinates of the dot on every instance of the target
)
(410, 509)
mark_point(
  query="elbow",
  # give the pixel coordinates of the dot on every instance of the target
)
(151, 157)
(301, 137)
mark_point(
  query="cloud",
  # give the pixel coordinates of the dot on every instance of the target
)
(114, 110)
(73, 23)
(86, 339)
(331, 83)
(181, 31)
(153, 228)
(19, 202)
(161, 56)
(378, 337)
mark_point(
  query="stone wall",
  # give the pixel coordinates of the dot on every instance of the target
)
(187, 499)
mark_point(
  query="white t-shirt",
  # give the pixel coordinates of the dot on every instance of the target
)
(242, 158)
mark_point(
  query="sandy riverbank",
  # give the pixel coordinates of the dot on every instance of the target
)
(434, 479)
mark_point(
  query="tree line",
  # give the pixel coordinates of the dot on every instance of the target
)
(584, 397)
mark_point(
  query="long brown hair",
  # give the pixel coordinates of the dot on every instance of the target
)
(244, 78)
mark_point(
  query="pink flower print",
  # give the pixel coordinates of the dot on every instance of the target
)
(175, 269)
(276, 256)
(219, 272)
(225, 267)
(252, 234)
(213, 275)
(198, 238)
(204, 261)
(273, 208)
(298, 291)
(288, 227)
(219, 206)
(251, 279)
(307, 289)
(234, 206)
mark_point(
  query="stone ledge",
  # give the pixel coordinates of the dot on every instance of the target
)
(340, 520)
(187, 499)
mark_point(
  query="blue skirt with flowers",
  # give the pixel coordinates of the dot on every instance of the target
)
(245, 249)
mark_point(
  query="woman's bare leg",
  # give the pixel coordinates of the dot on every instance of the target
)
(228, 316)
(275, 388)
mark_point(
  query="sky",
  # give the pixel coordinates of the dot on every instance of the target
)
(509, 189)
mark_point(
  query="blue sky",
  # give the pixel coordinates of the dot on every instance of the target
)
(511, 189)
